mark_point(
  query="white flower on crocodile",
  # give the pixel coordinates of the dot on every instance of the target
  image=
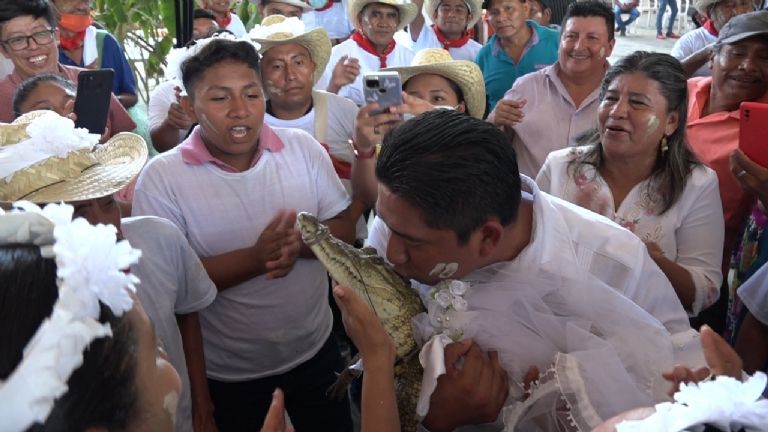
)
(446, 306)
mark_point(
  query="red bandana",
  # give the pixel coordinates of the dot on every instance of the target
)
(326, 6)
(366, 44)
(224, 22)
(710, 26)
(456, 43)
(73, 43)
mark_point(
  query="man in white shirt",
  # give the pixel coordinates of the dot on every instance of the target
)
(547, 109)
(332, 16)
(694, 49)
(455, 208)
(372, 46)
(290, 66)
(225, 18)
(452, 21)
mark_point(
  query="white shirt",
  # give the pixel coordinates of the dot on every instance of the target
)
(566, 236)
(333, 20)
(236, 26)
(159, 102)
(400, 56)
(337, 124)
(552, 120)
(259, 327)
(754, 294)
(690, 233)
(428, 39)
(689, 43)
(173, 282)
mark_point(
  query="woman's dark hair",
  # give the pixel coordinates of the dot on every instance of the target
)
(457, 170)
(10, 9)
(454, 88)
(31, 84)
(215, 52)
(102, 391)
(670, 174)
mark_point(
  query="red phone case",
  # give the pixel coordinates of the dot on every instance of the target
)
(753, 131)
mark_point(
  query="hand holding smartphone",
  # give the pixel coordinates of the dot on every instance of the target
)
(383, 88)
(94, 92)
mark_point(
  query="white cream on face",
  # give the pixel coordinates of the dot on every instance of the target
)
(171, 404)
(652, 126)
(272, 89)
(602, 52)
(444, 270)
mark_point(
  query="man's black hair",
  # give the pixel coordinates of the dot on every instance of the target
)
(10, 9)
(457, 170)
(215, 52)
(592, 8)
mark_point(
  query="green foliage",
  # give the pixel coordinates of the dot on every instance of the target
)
(248, 13)
(146, 29)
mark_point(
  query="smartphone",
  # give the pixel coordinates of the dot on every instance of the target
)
(752, 126)
(384, 88)
(94, 92)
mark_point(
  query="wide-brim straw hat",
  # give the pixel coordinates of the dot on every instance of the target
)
(465, 74)
(298, 3)
(279, 30)
(475, 8)
(79, 175)
(406, 9)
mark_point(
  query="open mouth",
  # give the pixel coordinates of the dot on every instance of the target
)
(38, 60)
(615, 129)
(238, 132)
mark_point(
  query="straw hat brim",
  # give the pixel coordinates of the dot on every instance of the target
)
(465, 74)
(475, 8)
(299, 4)
(316, 41)
(408, 11)
(117, 162)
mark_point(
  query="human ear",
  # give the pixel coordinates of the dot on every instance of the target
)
(189, 107)
(673, 120)
(490, 237)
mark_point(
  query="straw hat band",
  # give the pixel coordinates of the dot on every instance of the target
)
(50, 171)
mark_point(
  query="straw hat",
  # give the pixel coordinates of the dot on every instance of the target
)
(408, 10)
(298, 3)
(465, 74)
(430, 6)
(279, 30)
(64, 173)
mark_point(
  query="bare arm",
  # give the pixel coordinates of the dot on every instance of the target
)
(415, 26)
(192, 339)
(680, 278)
(165, 136)
(693, 62)
(752, 344)
(128, 100)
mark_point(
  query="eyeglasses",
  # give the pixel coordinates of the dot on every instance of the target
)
(18, 43)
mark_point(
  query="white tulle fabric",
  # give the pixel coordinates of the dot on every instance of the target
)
(600, 354)
(90, 269)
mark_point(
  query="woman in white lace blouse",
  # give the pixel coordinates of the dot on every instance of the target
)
(637, 170)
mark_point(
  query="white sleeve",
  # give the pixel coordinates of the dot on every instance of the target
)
(159, 102)
(700, 238)
(153, 196)
(378, 236)
(195, 290)
(544, 177)
(682, 48)
(754, 294)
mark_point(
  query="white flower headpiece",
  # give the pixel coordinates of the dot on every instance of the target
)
(90, 269)
(292, 26)
(725, 403)
(176, 57)
(49, 135)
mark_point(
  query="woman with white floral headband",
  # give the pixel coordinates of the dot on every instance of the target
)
(77, 351)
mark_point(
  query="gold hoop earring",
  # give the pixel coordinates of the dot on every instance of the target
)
(664, 145)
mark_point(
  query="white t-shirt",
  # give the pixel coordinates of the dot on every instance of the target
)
(333, 20)
(173, 282)
(339, 127)
(690, 233)
(236, 26)
(260, 327)
(428, 39)
(400, 56)
(159, 102)
(754, 294)
(691, 42)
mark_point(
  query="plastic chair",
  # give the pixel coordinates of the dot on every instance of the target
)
(647, 6)
(682, 16)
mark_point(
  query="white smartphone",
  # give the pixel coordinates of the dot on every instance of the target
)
(384, 88)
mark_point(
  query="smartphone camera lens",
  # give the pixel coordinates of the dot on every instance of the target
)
(372, 83)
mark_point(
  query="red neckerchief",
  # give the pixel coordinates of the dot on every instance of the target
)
(366, 44)
(73, 43)
(343, 169)
(326, 6)
(710, 26)
(447, 43)
(224, 22)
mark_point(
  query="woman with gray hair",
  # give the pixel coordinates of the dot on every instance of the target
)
(637, 170)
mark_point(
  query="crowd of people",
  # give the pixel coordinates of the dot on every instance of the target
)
(598, 227)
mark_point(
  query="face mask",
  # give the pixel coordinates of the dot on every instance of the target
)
(317, 4)
(75, 23)
(448, 107)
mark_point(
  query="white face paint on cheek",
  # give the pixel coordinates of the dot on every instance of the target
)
(602, 52)
(652, 126)
(171, 404)
(444, 270)
(272, 89)
(204, 122)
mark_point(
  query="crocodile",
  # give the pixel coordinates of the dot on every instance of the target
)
(393, 300)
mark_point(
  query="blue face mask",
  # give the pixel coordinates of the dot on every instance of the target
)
(317, 4)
